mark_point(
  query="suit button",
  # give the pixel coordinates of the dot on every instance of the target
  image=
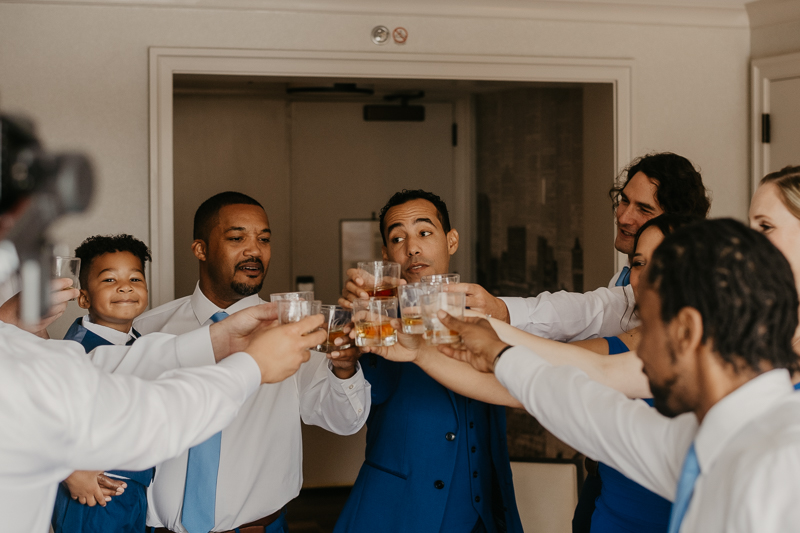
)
(438, 484)
(475, 473)
(471, 425)
(474, 449)
(450, 436)
(477, 499)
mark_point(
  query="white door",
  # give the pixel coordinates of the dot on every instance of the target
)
(784, 147)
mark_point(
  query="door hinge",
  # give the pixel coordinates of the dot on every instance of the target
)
(455, 134)
(765, 128)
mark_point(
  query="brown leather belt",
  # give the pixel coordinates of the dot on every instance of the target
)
(256, 526)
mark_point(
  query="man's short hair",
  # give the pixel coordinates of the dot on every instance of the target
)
(405, 196)
(95, 246)
(207, 215)
(741, 285)
(680, 188)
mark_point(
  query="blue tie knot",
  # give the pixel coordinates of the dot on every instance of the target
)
(219, 315)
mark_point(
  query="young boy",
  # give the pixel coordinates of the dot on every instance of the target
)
(114, 290)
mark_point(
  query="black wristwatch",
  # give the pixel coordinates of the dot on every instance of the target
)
(497, 357)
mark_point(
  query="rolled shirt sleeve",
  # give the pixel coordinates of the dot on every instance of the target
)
(340, 406)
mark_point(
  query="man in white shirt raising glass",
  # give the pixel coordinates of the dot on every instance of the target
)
(719, 310)
(244, 477)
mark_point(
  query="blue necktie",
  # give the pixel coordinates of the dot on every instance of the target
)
(624, 278)
(689, 474)
(200, 491)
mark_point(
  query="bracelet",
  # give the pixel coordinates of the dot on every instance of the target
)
(497, 357)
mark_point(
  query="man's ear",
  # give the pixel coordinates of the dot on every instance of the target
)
(83, 300)
(384, 253)
(686, 331)
(452, 241)
(199, 249)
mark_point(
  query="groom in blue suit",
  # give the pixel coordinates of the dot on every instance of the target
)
(435, 461)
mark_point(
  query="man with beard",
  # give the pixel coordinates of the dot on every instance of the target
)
(243, 477)
(719, 310)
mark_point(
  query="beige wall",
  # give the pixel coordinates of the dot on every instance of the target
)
(82, 72)
(774, 27)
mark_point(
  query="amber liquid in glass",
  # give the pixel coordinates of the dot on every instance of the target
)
(375, 334)
(382, 292)
(329, 345)
(413, 325)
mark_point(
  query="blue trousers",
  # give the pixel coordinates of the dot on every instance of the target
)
(125, 513)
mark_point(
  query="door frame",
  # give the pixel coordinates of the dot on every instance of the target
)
(763, 72)
(164, 63)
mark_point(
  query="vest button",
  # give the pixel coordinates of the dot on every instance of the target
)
(477, 499)
(475, 473)
(474, 449)
(450, 436)
(438, 484)
(472, 424)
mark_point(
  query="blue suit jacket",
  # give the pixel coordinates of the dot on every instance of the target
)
(407, 453)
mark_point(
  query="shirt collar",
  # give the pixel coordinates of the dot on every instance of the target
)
(203, 308)
(736, 410)
(110, 334)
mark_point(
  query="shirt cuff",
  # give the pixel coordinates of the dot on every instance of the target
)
(517, 311)
(352, 387)
(245, 366)
(194, 348)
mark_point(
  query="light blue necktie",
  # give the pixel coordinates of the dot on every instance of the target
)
(689, 473)
(624, 278)
(200, 491)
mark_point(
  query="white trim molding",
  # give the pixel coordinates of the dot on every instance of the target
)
(658, 12)
(763, 72)
(166, 62)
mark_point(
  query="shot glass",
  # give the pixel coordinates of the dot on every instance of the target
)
(432, 303)
(302, 295)
(295, 310)
(336, 318)
(443, 279)
(371, 318)
(381, 278)
(67, 266)
(409, 297)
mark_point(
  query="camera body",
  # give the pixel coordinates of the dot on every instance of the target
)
(36, 188)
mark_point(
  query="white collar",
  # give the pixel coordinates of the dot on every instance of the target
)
(112, 335)
(203, 308)
(724, 420)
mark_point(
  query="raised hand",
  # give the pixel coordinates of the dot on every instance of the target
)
(480, 300)
(407, 349)
(480, 345)
(235, 332)
(279, 351)
(9, 311)
(354, 289)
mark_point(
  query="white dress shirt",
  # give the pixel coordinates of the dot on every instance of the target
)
(748, 445)
(574, 316)
(260, 468)
(59, 413)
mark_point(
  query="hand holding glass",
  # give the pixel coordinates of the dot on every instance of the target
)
(381, 278)
(451, 302)
(372, 321)
(336, 318)
(68, 267)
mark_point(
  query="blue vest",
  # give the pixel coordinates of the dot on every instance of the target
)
(90, 340)
(415, 432)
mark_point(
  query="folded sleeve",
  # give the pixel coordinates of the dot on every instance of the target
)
(600, 422)
(570, 316)
(339, 405)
